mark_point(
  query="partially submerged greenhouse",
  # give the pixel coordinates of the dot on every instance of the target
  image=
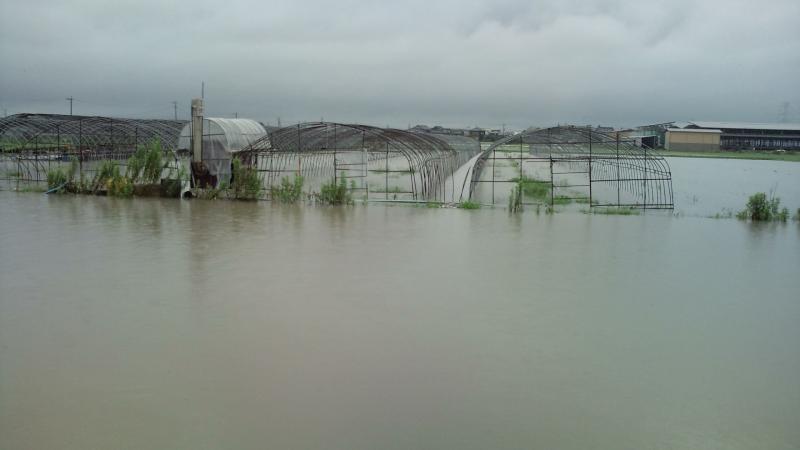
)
(222, 138)
(376, 163)
(33, 144)
(569, 164)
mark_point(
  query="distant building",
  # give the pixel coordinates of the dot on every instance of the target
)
(688, 139)
(477, 133)
(753, 136)
(653, 136)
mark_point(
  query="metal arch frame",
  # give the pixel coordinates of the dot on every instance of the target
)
(35, 142)
(27, 130)
(640, 171)
(430, 159)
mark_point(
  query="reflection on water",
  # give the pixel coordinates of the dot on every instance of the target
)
(209, 324)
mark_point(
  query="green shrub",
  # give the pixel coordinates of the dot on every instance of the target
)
(245, 185)
(335, 194)
(533, 188)
(761, 208)
(469, 205)
(119, 186)
(289, 191)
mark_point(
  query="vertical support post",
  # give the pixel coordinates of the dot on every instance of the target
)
(363, 158)
(111, 136)
(36, 157)
(299, 153)
(590, 167)
(644, 205)
(520, 157)
(550, 157)
(387, 171)
(197, 130)
(494, 160)
(80, 146)
(552, 182)
(335, 146)
(618, 177)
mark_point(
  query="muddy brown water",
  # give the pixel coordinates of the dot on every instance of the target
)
(154, 323)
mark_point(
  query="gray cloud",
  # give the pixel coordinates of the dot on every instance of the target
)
(459, 63)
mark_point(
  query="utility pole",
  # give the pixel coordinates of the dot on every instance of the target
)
(236, 115)
(175, 108)
(279, 121)
(70, 99)
(202, 89)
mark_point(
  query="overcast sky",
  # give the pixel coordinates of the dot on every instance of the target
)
(401, 62)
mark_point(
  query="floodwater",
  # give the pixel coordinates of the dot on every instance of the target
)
(706, 186)
(153, 323)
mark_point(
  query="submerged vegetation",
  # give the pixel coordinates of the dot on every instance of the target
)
(761, 208)
(245, 183)
(290, 191)
(469, 205)
(533, 188)
(145, 164)
(612, 211)
(333, 193)
(142, 176)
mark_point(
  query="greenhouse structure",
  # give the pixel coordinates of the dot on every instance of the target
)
(569, 164)
(222, 138)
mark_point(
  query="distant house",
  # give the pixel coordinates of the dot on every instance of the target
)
(477, 133)
(421, 128)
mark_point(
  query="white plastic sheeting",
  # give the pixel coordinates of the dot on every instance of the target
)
(221, 139)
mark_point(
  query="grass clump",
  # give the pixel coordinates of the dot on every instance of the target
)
(56, 178)
(290, 191)
(245, 185)
(561, 200)
(334, 193)
(119, 186)
(531, 187)
(109, 177)
(469, 204)
(761, 208)
(724, 214)
(614, 211)
(146, 164)
(107, 170)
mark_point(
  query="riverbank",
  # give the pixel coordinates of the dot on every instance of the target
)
(771, 156)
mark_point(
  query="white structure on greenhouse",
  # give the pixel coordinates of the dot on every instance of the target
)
(222, 139)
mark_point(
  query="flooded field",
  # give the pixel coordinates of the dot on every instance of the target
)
(705, 187)
(152, 323)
